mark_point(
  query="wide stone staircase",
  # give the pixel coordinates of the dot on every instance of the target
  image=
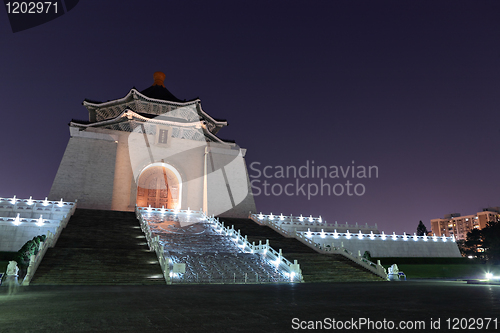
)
(100, 248)
(315, 267)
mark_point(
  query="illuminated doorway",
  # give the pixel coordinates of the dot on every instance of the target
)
(159, 186)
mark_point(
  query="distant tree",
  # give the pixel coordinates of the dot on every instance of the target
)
(485, 243)
(421, 229)
(474, 244)
(464, 250)
(468, 249)
(491, 241)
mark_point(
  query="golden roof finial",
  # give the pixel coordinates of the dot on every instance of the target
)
(159, 77)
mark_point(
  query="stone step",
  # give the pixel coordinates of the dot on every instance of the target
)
(100, 247)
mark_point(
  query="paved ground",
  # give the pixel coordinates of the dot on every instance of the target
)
(239, 308)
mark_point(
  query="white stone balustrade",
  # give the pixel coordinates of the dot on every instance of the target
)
(302, 223)
(272, 256)
(382, 236)
(377, 244)
(50, 241)
(23, 219)
(31, 208)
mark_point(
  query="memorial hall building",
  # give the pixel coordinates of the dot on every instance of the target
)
(150, 148)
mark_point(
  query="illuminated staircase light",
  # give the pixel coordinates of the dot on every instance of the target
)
(40, 221)
(17, 220)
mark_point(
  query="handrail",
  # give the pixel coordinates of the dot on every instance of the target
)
(50, 241)
(377, 269)
(309, 221)
(262, 219)
(304, 237)
(271, 255)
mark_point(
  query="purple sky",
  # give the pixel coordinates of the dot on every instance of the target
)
(410, 87)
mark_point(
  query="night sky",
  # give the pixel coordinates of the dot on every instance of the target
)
(411, 87)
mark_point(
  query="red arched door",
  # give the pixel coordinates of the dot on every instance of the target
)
(153, 188)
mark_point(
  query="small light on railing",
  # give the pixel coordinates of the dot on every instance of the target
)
(335, 234)
(45, 202)
(301, 218)
(13, 201)
(434, 238)
(444, 238)
(320, 220)
(162, 210)
(189, 211)
(308, 233)
(384, 236)
(405, 237)
(61, 203)
(394, 237)
(360, 235)
(425, 238)
(322, 233)
(311, 218)
(261, 217)
(271, 216)
(372, 236)
(348, 235)
(40, 221)
(30, 201)
(415, 238)
(17, 220)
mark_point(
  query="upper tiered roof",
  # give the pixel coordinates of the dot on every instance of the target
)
(153, 101)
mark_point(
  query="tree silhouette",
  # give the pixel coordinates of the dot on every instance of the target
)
(485, 243)
(421, 229)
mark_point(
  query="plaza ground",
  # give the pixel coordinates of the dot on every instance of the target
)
(239, 308)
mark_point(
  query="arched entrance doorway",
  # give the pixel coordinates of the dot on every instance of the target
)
(159, 186)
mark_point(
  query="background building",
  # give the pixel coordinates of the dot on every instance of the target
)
(458, 226)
